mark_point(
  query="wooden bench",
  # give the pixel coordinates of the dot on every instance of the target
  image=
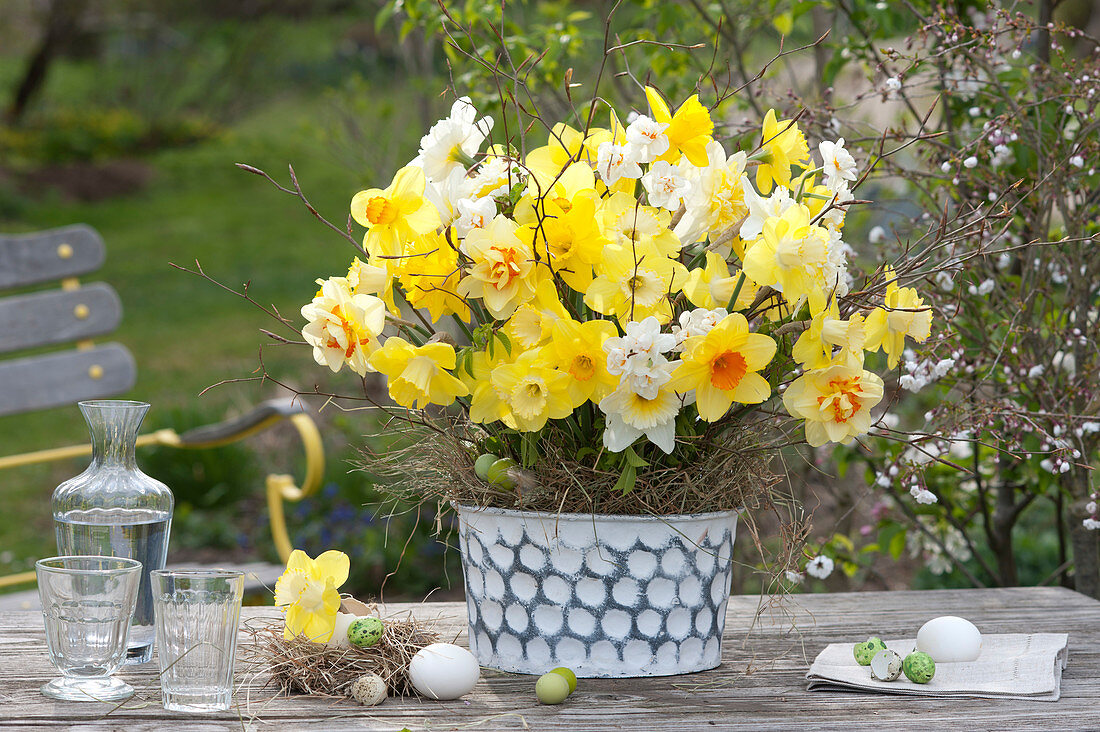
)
(78, 313)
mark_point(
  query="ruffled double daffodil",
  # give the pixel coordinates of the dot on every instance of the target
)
(307, 591)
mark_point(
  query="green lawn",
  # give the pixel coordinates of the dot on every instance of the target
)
(185, 333)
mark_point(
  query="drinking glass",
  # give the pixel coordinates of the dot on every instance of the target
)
(87, 604)
(197, 615)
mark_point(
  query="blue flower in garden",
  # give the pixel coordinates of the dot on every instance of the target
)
(330, 491)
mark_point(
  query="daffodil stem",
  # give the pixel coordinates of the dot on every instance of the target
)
(736, 292)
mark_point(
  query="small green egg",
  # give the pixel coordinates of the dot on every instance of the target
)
(568, 675)
(498, 473)
(365, 632)
(865, 651)
(483, 463)
(552, 688)
(919, 667)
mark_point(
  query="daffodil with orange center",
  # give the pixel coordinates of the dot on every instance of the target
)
(533, 390)
(418, 375)
(722, 367)
(904, 314)
(396, 214)
(343, 327)
(783, 145)
(503, 272)
(836, 402)
(577, 349)
(689, 129)
(308, 593)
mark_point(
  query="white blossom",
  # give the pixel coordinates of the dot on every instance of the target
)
(1077, 161)
(820, 566)
(970, 162)
(1090, 507)
(761, 209)
(923, 496)
(474, 214)
(794, 577)
(838, 162)
(1036, 371)
(646, 139)
(893, 85)
(1091, 524)
(877, 235)
(614, 162)
(665, 185)
(696, 322)
(452, 139)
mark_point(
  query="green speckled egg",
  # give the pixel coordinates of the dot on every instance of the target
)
(865, 651)
(919, 667)
(365, 632)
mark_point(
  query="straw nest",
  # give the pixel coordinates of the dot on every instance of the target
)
(439, 465)
(299, 666)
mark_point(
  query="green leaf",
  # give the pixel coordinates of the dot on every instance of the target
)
(897, 544)
(625, 483)
(784, 23)
(631, 458)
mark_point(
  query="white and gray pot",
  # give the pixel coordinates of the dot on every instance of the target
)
(607, 596)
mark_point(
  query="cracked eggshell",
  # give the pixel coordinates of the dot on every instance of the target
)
(340, 634)
(886, 665)
(949, 639)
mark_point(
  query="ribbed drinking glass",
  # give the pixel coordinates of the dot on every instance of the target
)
(197, 616)
(87, 605)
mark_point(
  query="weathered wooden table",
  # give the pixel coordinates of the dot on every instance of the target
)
(760, 684)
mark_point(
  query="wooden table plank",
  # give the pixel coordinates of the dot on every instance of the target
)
(760, 685)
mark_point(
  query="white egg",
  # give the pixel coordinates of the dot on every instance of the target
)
(340, 634)
(443, 671)
(950, 639)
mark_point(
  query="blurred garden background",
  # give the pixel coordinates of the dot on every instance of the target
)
(130, 116)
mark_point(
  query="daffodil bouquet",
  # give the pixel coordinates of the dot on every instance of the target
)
(629, 299)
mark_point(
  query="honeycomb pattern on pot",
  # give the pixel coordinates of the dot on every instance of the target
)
(634, 604)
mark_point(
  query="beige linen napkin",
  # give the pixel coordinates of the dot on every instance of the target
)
(1011, 666)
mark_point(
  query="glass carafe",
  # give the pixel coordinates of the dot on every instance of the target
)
(114, 509)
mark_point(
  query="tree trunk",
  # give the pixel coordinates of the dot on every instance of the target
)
(1004, 521)
(62, 23)
(1085, 542)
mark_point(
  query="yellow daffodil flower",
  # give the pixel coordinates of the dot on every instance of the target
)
(570, 242)
(533, 322)
(836, 402)
(790, 256)
(626, 223)
(814, 348)
(577, 349)
(343, 327)
(375, 278)
(489, 404)
(503, 272)
(418, 375)
(633, 283)
(784, 145)
(713, 286)
(721, 367)
(689, 130)
(533, 390)
(904, 314)
(431, 275)
(565, 144)
(396, 214)
(308, 593)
